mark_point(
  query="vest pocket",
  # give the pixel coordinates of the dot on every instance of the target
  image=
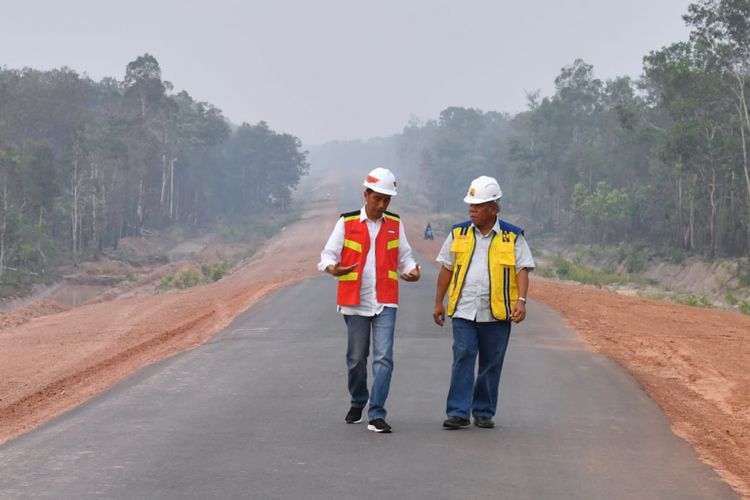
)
(461, 246)
(505, 254)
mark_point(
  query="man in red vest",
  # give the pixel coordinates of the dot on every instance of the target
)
(368, 252)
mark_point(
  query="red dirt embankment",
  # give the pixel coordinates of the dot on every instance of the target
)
(52, 363)
(692, 361)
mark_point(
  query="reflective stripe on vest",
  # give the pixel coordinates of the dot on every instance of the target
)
(355, 250)
(501, 263)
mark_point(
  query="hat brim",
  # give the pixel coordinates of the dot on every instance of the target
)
(389, 192)
(474, 201)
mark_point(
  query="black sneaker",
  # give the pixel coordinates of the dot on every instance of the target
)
(484, 422)
(354, 416)
(453, 423)
(379, 425)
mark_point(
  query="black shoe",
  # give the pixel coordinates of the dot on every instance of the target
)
(354, 416)
(379, 425)
(453, 423)
(484, 422)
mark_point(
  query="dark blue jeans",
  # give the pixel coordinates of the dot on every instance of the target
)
(488, 341)
(358, 328)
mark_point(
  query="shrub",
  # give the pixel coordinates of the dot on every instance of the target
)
(214, 272)
(635, 262)
(187, 279)
(694, 300)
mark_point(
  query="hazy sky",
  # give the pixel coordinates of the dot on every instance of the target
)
(342, 69)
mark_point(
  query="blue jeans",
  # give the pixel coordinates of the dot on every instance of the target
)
(468, 396)
(358, 348)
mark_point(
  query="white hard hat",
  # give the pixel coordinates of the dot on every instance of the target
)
(381, 180)
(483, 189)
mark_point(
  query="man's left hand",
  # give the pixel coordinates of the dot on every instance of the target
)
(412, 275)
(519, 312)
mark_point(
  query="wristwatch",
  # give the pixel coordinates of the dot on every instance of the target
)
(522, 299)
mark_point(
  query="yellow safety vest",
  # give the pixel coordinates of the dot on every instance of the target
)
(502, 267)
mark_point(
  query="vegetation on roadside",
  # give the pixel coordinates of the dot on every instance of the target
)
(189, 277)
(242, 237)
(661, 161)
(564, 269)
(84, 164)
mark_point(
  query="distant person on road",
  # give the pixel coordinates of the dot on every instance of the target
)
(428, 232)
(485, 270)
(368, 252)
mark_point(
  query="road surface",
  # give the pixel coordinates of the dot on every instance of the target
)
(258, 412)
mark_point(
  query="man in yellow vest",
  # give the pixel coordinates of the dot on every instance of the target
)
(485, 270)
(368, 252)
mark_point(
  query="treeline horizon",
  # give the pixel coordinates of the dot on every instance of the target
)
(662, 161)
(84, 163)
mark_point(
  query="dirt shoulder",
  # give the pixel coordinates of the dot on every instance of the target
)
(54, 362)
(692, 361)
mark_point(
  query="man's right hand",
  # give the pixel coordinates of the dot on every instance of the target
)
(338, 270)
(438, 314)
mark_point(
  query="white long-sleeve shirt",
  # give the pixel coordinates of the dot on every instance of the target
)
(331, 255)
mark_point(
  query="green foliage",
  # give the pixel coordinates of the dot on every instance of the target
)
(564, 269)
(602, 215)
(213, 272)
(743, 272)
(635, 261)
(659, 161)
(693, 300)
(83, 164)
(686, 299)
(188, 278)
(677, 256)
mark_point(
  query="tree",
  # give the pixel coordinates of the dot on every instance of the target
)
(721, 34)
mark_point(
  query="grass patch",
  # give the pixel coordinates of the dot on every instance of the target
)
(562, 268)
(679, 298)
(189, 277)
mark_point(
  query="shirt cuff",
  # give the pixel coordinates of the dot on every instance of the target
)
(323, 264)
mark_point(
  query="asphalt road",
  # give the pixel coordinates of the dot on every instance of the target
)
(258, 412)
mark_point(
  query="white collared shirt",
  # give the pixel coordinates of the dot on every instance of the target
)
(474, 302)
(331, 255)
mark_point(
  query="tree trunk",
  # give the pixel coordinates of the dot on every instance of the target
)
(94, 175)
(692, 218)
(742, 110)
(171, 188)
(75, 209)
(163, 180)
(3, 225)
(139, 208)
(680, 221)
(712, 220)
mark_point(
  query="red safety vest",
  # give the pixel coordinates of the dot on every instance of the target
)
(356, 248)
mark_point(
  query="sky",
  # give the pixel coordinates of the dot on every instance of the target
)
(343, 69)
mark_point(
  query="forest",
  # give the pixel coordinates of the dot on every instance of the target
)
(84, 164)
(661, 161)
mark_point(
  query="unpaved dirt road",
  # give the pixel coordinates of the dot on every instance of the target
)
(692, 361)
